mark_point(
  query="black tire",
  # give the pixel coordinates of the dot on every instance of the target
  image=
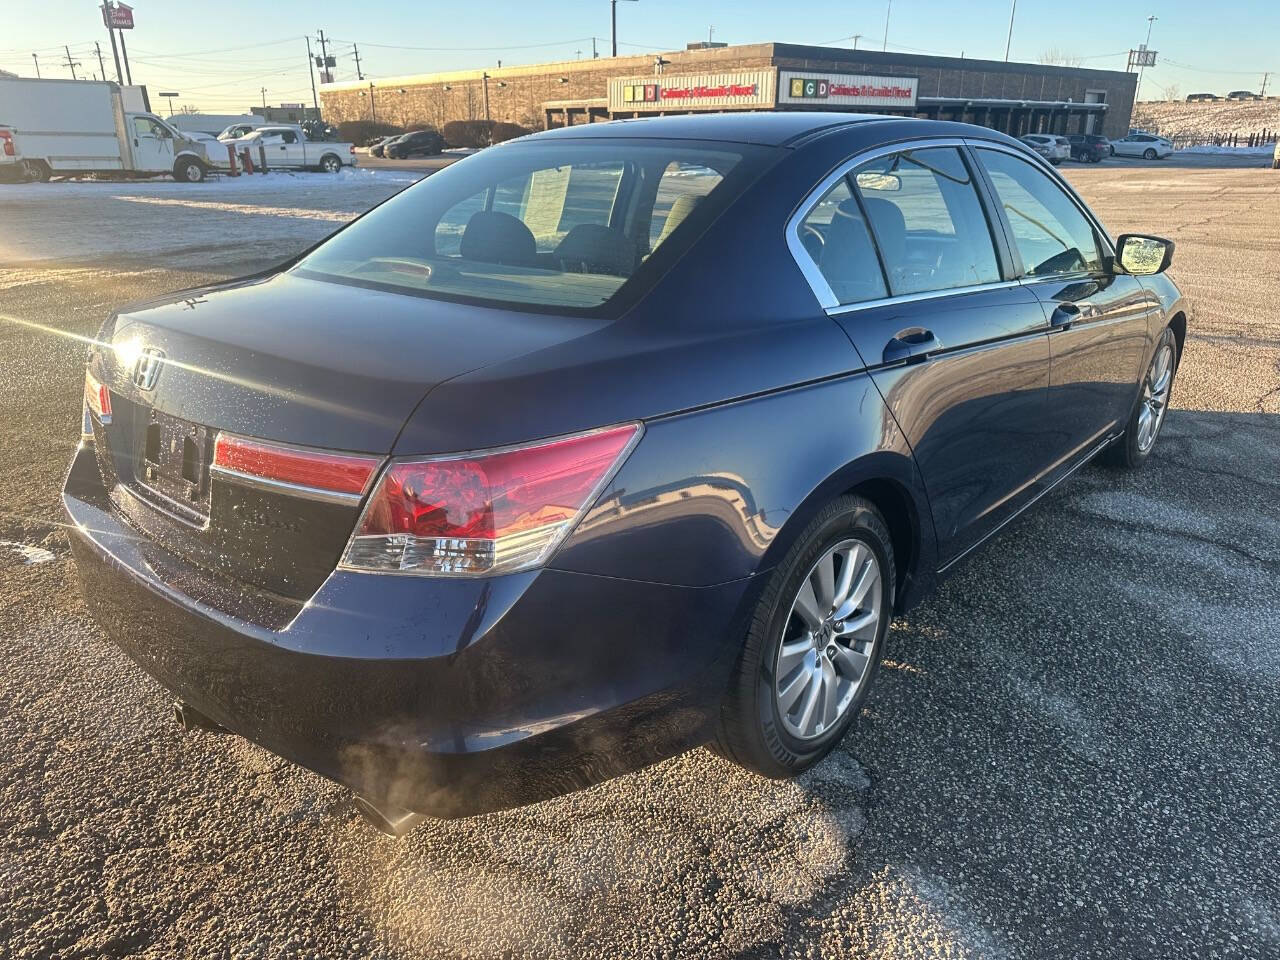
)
(187, 170)
(330, 163)
(1148, 154)
(1126, 452)
(749, 728)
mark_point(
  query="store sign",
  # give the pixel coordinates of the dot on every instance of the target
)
(747, 88)
(846, 90)
(117, 16)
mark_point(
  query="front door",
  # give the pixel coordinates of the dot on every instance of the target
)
(1099, 321)
(960, 355)
(152, 146)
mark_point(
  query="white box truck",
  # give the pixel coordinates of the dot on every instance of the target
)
(68, 127)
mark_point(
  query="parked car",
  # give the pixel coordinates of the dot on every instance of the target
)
(287, 147)
(1053, 148)
(418, 143)
(1145, 145)
(378, 146)
(237, 131)
(1198, 97)
(605, 442)
(1089, 147)
(1243, 95)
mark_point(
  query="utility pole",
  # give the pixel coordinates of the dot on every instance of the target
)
(856, 37)
(355, 50)
(886, 25)
(1009, 42)
(486, 96)
(594, 53)
(264, 100)
(711, 34)
(37, 60)
(1266, 76)
(1151, 21)
(311, 72)
(101, 66)
(71, 63)
(324, 58)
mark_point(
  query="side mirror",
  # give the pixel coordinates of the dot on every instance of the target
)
(1143, 256)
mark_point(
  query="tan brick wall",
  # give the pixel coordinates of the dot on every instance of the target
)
(516, 94)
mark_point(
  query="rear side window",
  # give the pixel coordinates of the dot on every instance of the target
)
(1052, 236)
(542, 223)
(836, 237)
(927, 220)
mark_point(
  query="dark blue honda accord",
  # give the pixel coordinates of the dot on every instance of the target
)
(605, 443)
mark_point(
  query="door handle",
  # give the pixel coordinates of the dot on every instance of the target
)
(1064, 314)
(911, 344)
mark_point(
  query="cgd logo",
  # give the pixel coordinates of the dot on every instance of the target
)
(811, 88)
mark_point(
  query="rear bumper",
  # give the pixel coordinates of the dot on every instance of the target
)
(446, 697)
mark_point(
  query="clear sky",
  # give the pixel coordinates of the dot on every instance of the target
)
(219, 55)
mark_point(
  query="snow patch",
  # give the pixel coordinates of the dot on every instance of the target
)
(30, 554)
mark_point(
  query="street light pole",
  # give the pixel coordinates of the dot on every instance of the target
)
(37, 60)
(1151, 22)
(614, 5)
(1009, 42)
(856, 38)
(887, 11)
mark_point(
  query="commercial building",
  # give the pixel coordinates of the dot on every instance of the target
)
(1017, 98)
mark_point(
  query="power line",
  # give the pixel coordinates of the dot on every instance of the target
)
(526, 46)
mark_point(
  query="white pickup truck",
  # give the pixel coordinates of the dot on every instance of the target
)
(286, 147)
(69, 127)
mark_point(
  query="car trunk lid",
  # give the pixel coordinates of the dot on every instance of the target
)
(302, 364)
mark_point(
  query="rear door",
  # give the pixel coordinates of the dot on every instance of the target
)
(1099, 321)
(912, 269)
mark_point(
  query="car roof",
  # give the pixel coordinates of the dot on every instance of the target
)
(769, 129)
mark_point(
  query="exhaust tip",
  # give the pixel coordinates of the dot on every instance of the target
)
(393, 821)
(189, 718)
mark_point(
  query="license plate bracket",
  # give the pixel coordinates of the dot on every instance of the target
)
(172, 465)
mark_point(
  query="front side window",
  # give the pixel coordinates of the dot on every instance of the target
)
(1052, 236)
(927, 220)
(551, 223)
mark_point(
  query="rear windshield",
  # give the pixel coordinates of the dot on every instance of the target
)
(554, 224)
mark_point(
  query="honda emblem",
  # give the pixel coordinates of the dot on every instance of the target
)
(147, 368)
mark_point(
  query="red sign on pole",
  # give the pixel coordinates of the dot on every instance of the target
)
(117, 16)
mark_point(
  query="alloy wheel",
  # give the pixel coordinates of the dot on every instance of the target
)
(828, 639)
(1155, 397)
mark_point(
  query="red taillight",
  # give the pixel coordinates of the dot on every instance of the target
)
(351, 149)
(485, 513)
(321, 471)
(97, 397)
(6, 143)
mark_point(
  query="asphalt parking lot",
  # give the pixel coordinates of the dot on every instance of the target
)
(1073, 750)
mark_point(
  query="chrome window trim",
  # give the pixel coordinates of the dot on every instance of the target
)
(813, 274)
(845, 308)
(1108, 249)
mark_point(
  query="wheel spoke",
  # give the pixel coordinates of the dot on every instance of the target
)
(791, 655)
(1144, 425)
(868, 577)
(851, 663)
(1162, 383)
(830, 695)
(824, 583)
(807, 606)
(810, 709)
(862, 621)
(851, 561)
(789, 694)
